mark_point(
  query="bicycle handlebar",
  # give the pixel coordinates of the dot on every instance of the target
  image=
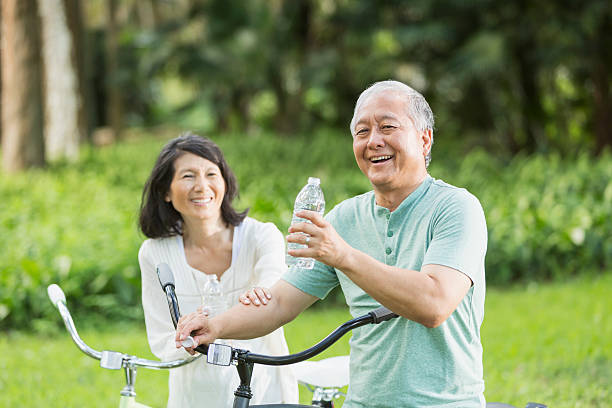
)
(58, 298)
(381, 314)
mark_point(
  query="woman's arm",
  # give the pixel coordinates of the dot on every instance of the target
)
(269, 264)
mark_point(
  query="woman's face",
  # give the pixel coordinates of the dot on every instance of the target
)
(197, 188)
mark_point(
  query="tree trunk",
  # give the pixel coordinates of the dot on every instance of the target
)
(148, 14)
(0, 74)
(290, 115)
(74, 15)
(65, 124)
(532, 112)
(114, 103)
(22, 108)
(602, 103)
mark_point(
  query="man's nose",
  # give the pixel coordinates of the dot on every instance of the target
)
(376, 139)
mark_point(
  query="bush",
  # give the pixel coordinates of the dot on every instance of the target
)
(77, 224)
(548, 217)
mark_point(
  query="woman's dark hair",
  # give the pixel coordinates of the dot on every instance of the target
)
(158, 218)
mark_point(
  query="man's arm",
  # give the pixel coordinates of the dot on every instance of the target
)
(246, 322)
(428, 297)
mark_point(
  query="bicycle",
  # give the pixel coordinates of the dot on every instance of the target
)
(324, 378)
(244, 360)
(323, 392)
(112, 360)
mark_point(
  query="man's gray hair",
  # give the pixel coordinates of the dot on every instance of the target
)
(418, 109)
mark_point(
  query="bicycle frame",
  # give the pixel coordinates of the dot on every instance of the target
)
(112, 360)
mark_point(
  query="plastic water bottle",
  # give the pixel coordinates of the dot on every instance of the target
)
(214, 302)
(310, 198)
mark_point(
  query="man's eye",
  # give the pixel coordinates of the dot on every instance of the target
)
(187, 175)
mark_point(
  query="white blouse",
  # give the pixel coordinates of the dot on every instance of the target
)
(258, 259)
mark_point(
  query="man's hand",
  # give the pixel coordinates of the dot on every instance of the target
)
(324, 243)
(198, 326)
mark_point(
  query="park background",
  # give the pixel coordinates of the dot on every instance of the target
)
(91, 90)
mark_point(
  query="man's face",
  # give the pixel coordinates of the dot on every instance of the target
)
(388, 148)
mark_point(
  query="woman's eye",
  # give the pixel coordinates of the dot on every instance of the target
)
(361, 131)
(187, 175)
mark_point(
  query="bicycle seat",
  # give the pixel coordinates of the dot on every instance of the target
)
(332, 372)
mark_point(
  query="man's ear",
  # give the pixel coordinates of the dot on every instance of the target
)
(427, 139)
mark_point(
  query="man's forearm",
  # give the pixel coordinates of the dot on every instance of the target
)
(249, 321)
(428, 296)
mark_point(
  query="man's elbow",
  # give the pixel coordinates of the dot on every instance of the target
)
(434, 318)
(434, 322)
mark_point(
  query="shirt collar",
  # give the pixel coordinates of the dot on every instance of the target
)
(408, 202)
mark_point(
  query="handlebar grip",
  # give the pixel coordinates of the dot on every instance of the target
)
(164, 274)
(382, 314)
(56, 294)
(202, 348)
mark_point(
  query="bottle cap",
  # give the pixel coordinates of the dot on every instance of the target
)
(314, 180)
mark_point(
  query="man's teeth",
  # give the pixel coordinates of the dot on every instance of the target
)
(379, 158)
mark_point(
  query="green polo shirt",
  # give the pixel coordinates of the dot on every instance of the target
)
(401, 363)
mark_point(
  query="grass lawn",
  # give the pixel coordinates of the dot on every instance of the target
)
(548, 343)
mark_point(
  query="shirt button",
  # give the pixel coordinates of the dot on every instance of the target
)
(388, 251)
(388, 215)
(389, 233)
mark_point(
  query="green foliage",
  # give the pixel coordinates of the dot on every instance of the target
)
(76, 225)
(561, 355)
(548, 217)
(517, 76)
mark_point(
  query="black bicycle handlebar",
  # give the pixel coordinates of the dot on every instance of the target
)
(376, 316)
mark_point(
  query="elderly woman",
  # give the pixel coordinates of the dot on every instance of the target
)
(187, 214)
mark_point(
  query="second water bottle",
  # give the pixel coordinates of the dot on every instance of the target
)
(214, 302)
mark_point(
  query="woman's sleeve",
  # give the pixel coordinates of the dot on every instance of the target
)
(160, 330)
(269, 260)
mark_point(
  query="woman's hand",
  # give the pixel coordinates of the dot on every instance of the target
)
(256, 296)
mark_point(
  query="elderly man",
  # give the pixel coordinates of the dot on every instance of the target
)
(414, 244)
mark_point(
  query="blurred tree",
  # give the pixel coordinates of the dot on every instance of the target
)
(0, 74)
(491, 69)
(590, 25)
(114, 101)
(515, 76)
(22, 106)
(66, 123)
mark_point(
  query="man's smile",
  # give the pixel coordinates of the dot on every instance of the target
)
(380, 159)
